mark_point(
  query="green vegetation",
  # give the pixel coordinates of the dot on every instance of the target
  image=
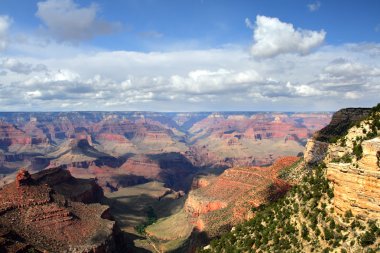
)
(302, 221)
(373, 123)
(344, 159)
(333, 139)
(287, 172)
(336, 134)
(358, 150)
(151, 218)
(369, 237)
(374, 131)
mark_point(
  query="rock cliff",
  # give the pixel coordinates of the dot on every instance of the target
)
(357, 186)
(341, 121)
(33, 215)
(352, 159)
(334, 206)
(220, 202)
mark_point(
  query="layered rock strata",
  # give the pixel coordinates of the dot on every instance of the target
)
(357, 188)
(228, 199)
(42, 219)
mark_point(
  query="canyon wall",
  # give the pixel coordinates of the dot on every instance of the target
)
(357, 186)
(122, 149)
(34, 216)
(350, 149)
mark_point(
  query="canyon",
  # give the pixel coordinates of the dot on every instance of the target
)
(333, 200)
(199, 172)
(126, 148)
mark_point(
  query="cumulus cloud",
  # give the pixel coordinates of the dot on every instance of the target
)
(67, 21)
(5, 22)
(273, 37)
(303, 90)
(314, 6)
(192, 80)
(343, 68)
(352, 95)
(17, 66)
(220, 81)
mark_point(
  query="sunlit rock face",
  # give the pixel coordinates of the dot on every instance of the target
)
(371, 155)
(356, 182)
(357, 188)
(220, 202)
(315, 151)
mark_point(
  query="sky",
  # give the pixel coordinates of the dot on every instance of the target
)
(189, 55)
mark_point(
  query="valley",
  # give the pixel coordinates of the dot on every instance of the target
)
(176, 165)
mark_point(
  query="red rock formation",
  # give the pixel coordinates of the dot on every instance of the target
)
(23, 178)
(142, 166)
(229, 198)
(10, 135)
(239, 140)
(39, 140)
(49, 221)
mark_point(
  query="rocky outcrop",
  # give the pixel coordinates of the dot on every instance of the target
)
(371, 155)
(315, 151)
(79, 190)
(356, 182)
(202, 180)
(341, 121)
(229, 198)
(43, 219)
(357, 188)
(322, 147)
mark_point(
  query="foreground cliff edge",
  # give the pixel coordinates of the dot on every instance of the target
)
(334, 207)
(38, 214)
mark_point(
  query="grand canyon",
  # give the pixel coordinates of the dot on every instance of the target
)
(176, 182)
(191, 126)
(190, 168)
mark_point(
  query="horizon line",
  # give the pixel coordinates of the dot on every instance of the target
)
(148, 111)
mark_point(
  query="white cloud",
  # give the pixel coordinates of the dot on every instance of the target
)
(67, 21)
(17, 66)
(33, 94)
(5, 23)
(314, 6)
(188, 80)
(344, 68)
(222, 80)
(352, 95)
(303, 90)
(273, 37)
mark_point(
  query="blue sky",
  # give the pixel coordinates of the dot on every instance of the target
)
(210, 23)
(182, 55)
